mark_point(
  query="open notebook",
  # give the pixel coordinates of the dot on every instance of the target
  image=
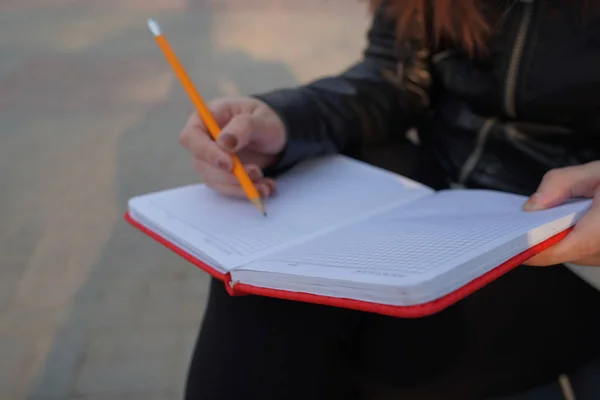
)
(344, 233)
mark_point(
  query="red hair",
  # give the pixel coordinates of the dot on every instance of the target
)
(468, 23)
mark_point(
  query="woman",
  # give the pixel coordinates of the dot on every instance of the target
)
(504, 95)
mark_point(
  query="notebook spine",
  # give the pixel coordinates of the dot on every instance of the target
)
(232, 286)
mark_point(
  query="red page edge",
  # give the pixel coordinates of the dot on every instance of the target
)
(415, 311)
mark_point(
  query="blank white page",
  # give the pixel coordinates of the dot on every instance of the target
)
(315, 197)
(415, 243)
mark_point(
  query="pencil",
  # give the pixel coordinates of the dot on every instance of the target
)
(207, 117)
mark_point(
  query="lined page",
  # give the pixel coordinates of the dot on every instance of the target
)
(417, 242)
(316, 197)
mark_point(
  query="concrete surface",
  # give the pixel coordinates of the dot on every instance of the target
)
(89, 116)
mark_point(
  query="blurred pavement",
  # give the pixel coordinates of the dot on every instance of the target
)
(89, 116)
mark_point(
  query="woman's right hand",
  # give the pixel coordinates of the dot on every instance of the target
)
(250, 129)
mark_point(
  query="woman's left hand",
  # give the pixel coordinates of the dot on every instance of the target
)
(582, 244)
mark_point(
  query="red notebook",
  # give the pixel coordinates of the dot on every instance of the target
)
(346, 234)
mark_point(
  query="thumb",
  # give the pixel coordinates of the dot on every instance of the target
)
(559, 185)
(237, 133)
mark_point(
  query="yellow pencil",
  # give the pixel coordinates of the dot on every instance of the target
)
(210, 122)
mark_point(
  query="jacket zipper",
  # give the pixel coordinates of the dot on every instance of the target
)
(510, 88)
(509, 96)
(469, 165)
(566, 387)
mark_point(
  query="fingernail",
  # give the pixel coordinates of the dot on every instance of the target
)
(223, 164)
(533, 203)
(255, 173)
(228, 141)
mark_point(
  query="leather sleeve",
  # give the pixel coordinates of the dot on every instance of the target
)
(338, 114)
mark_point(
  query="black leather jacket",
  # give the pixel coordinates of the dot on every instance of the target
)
(499, 121)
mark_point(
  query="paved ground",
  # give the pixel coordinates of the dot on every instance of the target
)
(89, 116)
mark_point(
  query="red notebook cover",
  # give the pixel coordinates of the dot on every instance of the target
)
(414, 311)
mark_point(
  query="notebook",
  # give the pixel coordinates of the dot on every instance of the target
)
(347, 234)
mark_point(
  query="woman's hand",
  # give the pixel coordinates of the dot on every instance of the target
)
(250, 129)
(582, 245)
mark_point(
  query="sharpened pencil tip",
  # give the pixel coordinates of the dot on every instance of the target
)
(154, 27)
(258, 203)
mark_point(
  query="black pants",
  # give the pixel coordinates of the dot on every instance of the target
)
(522, 330)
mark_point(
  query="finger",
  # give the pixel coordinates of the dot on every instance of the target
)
(220, 110)
(581, 243)
(264, 186)
(566, 250)
(238, 132)
(272, 186)
(205, 149)
(196, 138)
(560, 184)
(212, 174)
